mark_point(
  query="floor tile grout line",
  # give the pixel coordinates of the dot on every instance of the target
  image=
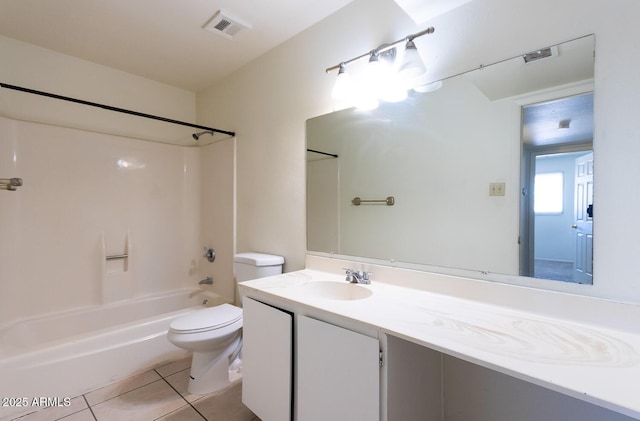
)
(185, 399)
(89, 406)
(124, 393)
(199, 413)
(161, 376)
(51, 407)
(173, 374)
(169, 374)
(175, 390)
(179, 409)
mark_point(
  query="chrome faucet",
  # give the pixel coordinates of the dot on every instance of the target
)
(208, 281)
(357, 277)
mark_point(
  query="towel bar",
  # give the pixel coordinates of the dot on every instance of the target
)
(389, 201)
(117, 256)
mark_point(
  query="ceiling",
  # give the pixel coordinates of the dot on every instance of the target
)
(162, 40)
(560, 122)
(569, 63)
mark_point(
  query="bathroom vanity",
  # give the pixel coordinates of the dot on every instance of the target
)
(327, 363)
(421, 346)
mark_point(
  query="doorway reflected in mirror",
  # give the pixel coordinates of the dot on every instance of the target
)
(557, 180)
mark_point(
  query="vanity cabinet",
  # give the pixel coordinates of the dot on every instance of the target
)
(315, 371)
(337, 373)
(267, 353)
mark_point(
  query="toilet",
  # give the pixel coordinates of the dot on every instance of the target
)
(214, 334)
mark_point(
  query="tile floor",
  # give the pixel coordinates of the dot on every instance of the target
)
(159, 394)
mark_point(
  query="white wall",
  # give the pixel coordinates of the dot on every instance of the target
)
(37, 68)
(268, 101)
(217, 222)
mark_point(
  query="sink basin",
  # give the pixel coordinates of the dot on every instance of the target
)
(336, 291)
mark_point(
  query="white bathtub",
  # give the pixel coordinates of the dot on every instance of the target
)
(69, 353)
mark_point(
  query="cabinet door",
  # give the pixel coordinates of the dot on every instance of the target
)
(266, 362)
(337, 373)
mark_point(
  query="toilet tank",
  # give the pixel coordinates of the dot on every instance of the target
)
(253, 265)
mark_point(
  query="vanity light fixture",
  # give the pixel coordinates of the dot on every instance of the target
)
(429, 87)
(412, 66)
(384, 79)
(343, 89)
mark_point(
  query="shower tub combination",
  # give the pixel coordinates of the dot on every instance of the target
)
(66, 354)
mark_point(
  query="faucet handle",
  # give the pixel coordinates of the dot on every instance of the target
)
(357, 277)
(210, 254)
(351, 274)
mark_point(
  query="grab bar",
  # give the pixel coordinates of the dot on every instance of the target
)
(10, 184)
(117, 256)
(11, 181)
(389, 201)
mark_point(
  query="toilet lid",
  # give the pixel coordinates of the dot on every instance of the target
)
(207, 319)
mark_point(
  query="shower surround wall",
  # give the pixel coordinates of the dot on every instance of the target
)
(86, 195)
(94, 177)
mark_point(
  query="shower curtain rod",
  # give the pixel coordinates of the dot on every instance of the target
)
(322, 153)
(110, 108)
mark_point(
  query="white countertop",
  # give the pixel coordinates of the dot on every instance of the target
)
(594, 363)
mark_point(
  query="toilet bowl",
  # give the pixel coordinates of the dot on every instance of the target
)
(214, 334)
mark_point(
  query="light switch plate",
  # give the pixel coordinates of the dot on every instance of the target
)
(496, 189)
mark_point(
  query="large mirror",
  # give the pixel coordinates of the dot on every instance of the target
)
(492, 172)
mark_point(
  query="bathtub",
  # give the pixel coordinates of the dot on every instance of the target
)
(69, 353)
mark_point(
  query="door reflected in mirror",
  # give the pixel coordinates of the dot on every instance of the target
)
(457, 162)
(557, 161)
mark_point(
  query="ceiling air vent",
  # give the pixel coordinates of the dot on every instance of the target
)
(224, 25)
(541, 54)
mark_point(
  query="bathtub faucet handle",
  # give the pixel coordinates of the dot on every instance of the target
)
(210, 254)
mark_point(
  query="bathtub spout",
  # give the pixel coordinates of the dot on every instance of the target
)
(208, 281)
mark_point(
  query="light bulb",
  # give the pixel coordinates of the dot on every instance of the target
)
(383, 82)
(343, 89)
(366, 102)
(412, 67)
(429, 87)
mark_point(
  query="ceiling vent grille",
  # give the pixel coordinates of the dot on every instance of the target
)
(225, 25)
(541, 54)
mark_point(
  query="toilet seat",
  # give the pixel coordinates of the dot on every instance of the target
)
(207, 319)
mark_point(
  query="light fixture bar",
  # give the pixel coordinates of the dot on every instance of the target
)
(386, 47)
